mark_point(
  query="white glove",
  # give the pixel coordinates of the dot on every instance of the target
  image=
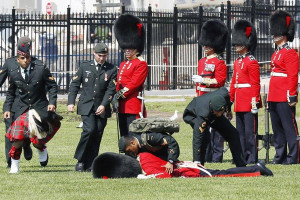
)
(254, 111)
(197, 79)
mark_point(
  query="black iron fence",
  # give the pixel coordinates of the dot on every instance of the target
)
(172, 51)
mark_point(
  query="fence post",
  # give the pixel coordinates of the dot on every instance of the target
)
(199, 31)
(175, 28)
(13, 31)
(253, 12)
(228, 46)
(122, 54)
(222, 19)
(68, 47)
(149, 38)
(276, 4)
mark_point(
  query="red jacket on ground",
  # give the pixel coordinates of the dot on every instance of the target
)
(245, 83)
(132, 75)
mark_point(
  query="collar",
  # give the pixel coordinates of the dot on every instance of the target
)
(282, 46)
(22, 69)
(138, 142)
(211, 56)
(96, 63)
(245, 55)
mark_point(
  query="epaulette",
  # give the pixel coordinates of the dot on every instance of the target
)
(141, 58)
(219, 57)
(251, 57)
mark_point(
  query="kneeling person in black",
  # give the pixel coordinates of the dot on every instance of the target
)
(207, 110)
(161, 145)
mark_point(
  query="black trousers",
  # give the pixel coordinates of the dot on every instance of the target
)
(89, 144)
(247, 125)
(228, 132)
(239, 171)
(124, 122)
(214, 151)
(285, 131)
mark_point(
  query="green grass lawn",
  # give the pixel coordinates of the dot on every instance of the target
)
(59, 180)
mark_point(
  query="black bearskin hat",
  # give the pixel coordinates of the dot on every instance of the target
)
(214, 34)
(244, 34)
(130, 32)
(113, 165)
(282, 23)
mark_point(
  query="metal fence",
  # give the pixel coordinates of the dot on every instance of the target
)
(172, 51)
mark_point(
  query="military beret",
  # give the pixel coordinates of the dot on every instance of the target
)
(217, 103)
(24, 49)
(122, 145)
(24, 40)
(101, 48)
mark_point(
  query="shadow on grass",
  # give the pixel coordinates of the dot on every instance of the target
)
(50, 168)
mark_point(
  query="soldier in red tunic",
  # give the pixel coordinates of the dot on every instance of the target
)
(130, 34)
(283, 95)
(212, 73)
(245, 88)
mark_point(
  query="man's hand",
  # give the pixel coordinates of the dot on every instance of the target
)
(169, 167)
(6, 115)
(197, 79)
(229, 115)
(71, 108)
(100, 110)
(199, 165)
(292, 104)
(51, 108)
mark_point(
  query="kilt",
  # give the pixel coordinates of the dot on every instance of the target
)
(19, 130)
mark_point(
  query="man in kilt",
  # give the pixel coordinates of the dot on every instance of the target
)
(35, 119)
(5, 70)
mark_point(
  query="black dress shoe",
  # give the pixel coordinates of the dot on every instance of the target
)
(8, 165)
(79, 167)
(288, 163)
(27, 151)
(44, 163)
(263, 169)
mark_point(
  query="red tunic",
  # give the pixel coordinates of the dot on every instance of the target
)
(245, 83)
(213, 68)
(285, 64)
(132, 75)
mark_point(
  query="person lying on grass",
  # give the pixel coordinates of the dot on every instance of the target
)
(113, 165)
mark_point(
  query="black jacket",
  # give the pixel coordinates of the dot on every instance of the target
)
(162, 145)
(22, 95)
(199, 111)
(98, 88)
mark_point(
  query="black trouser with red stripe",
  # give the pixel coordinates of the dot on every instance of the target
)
(237, 171)
(214, 151)
(124, 122)
(247, 125)
(285, 130)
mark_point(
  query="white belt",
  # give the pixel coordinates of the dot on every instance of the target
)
(242, 85)
(278, 74)
(203, 89)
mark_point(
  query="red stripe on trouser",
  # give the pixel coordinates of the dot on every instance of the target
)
(15, 153)
(255, 141)
(239, 175)
(296, 131)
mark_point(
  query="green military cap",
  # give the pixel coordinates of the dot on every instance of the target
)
(24, 40)
(217, 103)
(122, 145)
(101, 48)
